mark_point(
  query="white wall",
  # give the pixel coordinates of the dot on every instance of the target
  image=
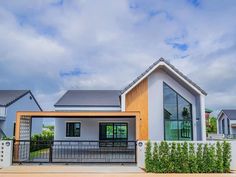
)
(90, 127)
(232, 130)
(142, 144)
(23, 104)
(155, 103)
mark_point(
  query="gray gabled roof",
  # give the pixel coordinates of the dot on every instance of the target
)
(230, 113)
(170, 65)
(8, 97)
(95, 98)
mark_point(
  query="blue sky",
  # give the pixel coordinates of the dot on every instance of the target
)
(50, 46)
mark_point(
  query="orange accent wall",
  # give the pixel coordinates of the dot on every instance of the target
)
(137, 100)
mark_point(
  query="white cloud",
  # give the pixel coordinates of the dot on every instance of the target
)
(111, 42)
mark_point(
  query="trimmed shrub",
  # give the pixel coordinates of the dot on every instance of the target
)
(206, 159)
(219, 158)
(155, 160)
(212, 158)
(226, 156)
(148, 157)
(184, 158)
(200, 164)
(192, 159)
(173, 158)
(164, 157)
(179, 158)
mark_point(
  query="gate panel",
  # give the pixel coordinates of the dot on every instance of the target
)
(75, 151)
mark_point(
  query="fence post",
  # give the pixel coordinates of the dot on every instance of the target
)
(135, 145)
(50, 152)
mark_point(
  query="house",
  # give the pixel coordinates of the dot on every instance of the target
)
(104, 125)
(12, 101)
(168, 104)
(226, 122)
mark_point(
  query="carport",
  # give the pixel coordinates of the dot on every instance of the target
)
(72, 150)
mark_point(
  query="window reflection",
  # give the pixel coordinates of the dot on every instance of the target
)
(177, 116)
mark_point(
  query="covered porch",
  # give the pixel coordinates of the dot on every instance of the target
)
(80, 137)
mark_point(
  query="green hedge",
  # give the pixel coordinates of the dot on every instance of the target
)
(172, 157)
(41, 141)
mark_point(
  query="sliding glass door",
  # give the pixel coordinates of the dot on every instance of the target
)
(116, 131)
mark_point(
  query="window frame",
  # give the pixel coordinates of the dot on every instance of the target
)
(177, 120)
(113, 125)
(74, 122)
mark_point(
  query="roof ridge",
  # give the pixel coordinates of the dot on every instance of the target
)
(170, 65)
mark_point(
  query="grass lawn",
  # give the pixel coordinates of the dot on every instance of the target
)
(39, 153)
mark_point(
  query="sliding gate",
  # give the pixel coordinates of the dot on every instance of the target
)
(25, 151)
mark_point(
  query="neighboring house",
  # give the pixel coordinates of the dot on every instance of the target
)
(167, 106)
(12, 101)
(226, 122)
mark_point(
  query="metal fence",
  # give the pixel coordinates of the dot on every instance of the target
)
(25, 151)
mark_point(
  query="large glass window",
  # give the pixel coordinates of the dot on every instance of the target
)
(73, 129)
(177, 116)
(113, 131)
(117, 133)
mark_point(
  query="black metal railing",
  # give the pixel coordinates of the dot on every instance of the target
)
(74, 151)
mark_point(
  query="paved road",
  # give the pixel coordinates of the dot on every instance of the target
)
(89, 171)
(114, 175)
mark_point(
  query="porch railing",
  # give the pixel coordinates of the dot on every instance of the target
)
(74, 151)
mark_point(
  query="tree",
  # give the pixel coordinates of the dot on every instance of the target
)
(212, 127)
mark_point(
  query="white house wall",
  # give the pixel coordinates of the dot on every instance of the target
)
(232, 130)
(90, 127)
(23, 104)
(155, 103)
